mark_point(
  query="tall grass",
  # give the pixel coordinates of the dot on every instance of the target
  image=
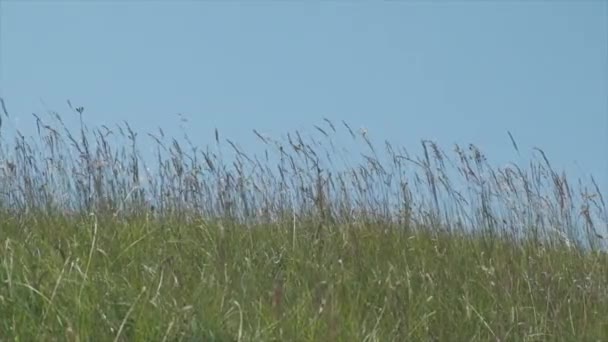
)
(306, 241)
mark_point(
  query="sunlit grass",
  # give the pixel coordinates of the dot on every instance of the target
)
(296, 246)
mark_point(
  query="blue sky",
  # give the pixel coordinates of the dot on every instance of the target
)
(463, 72)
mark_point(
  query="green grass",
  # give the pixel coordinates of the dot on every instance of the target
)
(252, 251)
(148, 281)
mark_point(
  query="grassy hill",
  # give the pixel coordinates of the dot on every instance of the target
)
(299, 244)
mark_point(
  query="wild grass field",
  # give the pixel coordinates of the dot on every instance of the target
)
(305, 242)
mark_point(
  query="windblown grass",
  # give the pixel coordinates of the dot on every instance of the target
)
(306, 242)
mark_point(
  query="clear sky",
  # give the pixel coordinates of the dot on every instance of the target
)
(460, 72)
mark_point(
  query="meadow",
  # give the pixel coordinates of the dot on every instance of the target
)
(304, 242)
